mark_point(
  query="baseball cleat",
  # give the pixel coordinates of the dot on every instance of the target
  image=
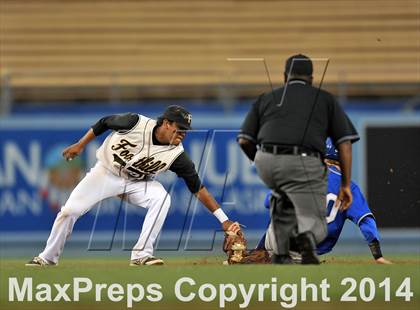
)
(39, 262)
(146, 261)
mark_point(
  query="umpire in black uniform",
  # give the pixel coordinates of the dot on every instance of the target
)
(285, 133)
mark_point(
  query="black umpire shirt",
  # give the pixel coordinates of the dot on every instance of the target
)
(297, 114)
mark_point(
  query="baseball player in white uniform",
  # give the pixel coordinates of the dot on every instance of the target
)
(137, 149)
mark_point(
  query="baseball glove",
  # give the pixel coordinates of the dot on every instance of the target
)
(234, 245)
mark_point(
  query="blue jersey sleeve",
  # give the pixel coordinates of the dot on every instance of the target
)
(368, 228)
(359, 209)
(267, 200)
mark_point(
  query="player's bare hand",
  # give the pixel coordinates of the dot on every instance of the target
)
(383, 261)
(231, 226)
(345, 197)
(72, 151)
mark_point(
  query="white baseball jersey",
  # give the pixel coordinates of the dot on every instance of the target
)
(124, 157)
(131, 154)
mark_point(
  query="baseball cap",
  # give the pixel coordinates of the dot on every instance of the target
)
(331, 152)
(178, 114)
(299, 65)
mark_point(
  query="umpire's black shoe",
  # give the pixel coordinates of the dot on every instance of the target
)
(307, 246)
(281, 259)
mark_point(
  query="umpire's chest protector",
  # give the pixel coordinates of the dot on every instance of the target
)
(131, 154)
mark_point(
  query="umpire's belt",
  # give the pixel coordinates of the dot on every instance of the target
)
(288, 150)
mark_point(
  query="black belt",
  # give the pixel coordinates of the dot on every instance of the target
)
(289, 150)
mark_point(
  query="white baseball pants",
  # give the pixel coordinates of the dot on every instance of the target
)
(99, 184)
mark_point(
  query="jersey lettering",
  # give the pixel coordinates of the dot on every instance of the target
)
(133, 155)
(332, 199)
(147, 165)
(122, 145)
(125, 154)
(135, 173)
(119, 160)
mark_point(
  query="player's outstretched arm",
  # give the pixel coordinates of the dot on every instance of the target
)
(370, 231)
(115, 122)
(375, 248)
(74, 150)
(184, 168)
(383, 261)
(210, 203)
